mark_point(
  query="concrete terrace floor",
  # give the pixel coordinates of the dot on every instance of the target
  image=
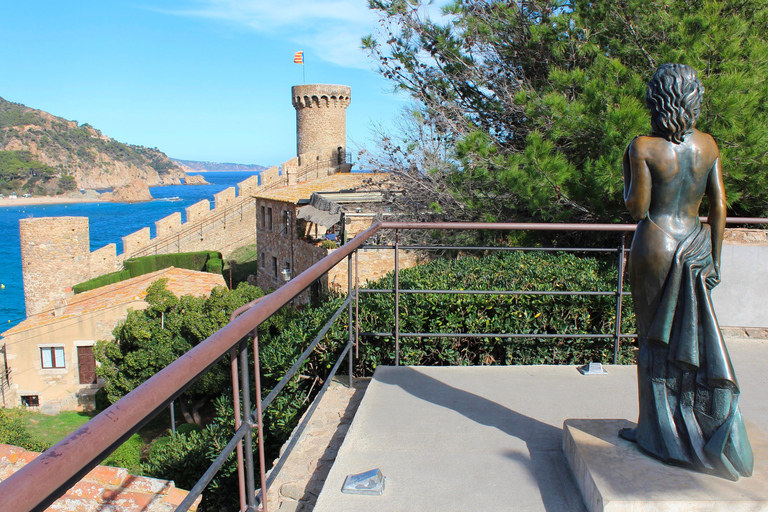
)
(490, 438)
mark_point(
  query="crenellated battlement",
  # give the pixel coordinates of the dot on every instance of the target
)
(55, 250)
(321, 96)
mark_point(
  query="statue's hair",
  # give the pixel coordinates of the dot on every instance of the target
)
(674, 99)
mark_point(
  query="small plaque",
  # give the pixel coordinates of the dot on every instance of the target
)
(592, 369)
(370, 483)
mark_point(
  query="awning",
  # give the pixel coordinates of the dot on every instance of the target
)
(321, 211)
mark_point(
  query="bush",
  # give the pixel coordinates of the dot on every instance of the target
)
(127, 455)
(533, 271)
(207, 261)
(14, 432)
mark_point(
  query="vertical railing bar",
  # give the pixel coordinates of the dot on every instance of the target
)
(349, 310)
(357, 307)
(260, 423)
(397, 299)
(245, 386)
(619, 292)
(238, 421)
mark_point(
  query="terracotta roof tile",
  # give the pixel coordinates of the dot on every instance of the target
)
(180, 282)
(333, 183)
(104, 489)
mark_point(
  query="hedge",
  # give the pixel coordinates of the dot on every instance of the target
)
(208, 261)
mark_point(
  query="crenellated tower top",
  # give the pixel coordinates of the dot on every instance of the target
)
(321, 122)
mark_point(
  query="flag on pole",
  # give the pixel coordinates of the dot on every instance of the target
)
(298, 58)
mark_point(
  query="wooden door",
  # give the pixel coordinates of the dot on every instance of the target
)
(86, 363)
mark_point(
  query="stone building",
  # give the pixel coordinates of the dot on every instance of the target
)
(290, 240)
(48, 359)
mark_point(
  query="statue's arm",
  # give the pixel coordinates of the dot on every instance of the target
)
(717, 212)
(637, 181)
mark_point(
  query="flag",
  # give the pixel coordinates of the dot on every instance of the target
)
(298, 58)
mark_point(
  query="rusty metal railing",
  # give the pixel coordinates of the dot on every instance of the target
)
(43, 480)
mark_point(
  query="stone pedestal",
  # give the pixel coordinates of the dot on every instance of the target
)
(613, 475)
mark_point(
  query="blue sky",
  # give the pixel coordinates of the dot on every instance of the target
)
(198, 79)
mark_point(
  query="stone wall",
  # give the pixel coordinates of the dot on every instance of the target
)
(740, 297)
(56, 250)
(55, 255)
(168, 225)
(374, 264)
(104, 261)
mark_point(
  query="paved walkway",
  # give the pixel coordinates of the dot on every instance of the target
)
(490, 438)
(303, 474)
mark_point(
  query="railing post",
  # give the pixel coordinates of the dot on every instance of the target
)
(357, 307)
(397, 298)
(238, 422)
(245, 386)
(260, 424)
(619, 292)
(349, 311)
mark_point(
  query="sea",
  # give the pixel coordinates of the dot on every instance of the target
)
(108, 223)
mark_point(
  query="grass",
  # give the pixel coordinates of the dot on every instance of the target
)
(52, 429)
(242, 263)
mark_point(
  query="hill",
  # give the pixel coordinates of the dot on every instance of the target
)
(192, 165)
(44, 154)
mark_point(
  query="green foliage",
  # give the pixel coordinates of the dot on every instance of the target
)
(208, 261)
(17, 168)
(13, 431)
(127, 455)
(214, 265)
(103, 280)
(536, 271)
(151, 339)
(538, 100)
(329, 244)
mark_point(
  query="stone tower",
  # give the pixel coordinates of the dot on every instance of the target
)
(55, 255)
(321, 119)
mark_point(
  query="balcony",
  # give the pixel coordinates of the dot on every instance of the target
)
(51, 474)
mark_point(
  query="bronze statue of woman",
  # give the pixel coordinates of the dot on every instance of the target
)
(688, 393)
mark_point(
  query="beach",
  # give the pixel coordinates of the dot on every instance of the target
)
(34, 201)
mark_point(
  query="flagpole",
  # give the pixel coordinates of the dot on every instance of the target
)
(304, 72)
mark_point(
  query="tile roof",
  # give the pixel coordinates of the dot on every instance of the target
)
(332, 183)
(181, 281)
(103, 489)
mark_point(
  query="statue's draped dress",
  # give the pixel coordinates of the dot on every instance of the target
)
(688, 391)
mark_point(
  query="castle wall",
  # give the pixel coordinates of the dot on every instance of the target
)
(198, 210)
(168, 225)
(55, 251)
(105, 261)
(55, 255)
(135, 241)
(225, 197)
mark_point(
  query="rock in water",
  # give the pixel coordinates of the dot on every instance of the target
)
(134, 192)
(195, 179)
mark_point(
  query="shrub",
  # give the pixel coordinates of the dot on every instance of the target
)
(208, 261)
(127, 455)
(534, 271)
(14, 432)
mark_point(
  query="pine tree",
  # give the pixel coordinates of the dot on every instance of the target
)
(538, 100)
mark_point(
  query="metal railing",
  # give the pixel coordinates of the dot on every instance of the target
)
(47, 477)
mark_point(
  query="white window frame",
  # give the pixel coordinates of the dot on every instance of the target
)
(57, 358)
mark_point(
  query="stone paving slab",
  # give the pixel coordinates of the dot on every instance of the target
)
(489, 438)
(305, 468)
